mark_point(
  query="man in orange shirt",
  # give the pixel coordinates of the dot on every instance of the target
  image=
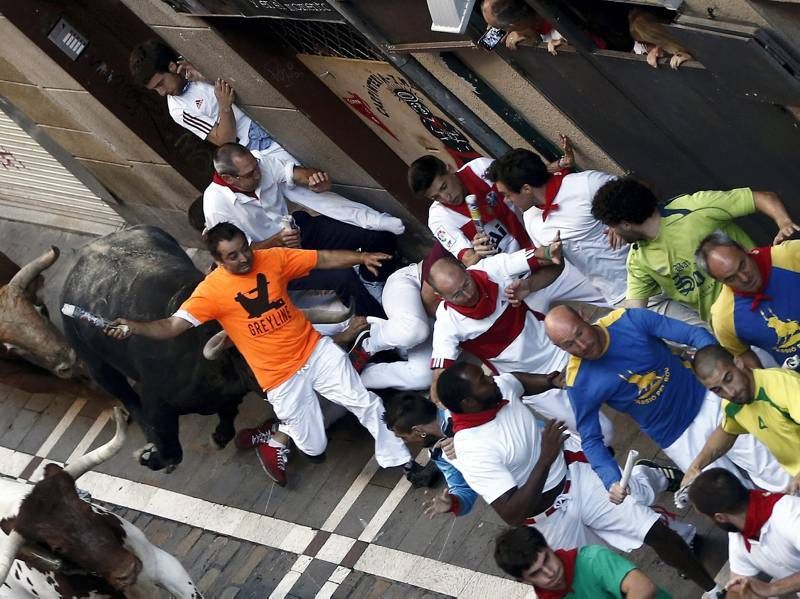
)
(289, 358)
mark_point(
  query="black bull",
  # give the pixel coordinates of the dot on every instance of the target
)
(143, 274)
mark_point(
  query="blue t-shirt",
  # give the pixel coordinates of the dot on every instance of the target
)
(639, 375)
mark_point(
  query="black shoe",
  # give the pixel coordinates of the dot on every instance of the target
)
(422, 476)
(674, 475)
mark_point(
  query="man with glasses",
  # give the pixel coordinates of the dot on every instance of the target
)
(478, 317)
(250, 190)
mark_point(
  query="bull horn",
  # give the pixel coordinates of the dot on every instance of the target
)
(85, 463)
(8, 553)
(323, 307)
(28, 273)
(216, 346)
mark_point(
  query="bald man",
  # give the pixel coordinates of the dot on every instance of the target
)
(476, 316)
(623, 361)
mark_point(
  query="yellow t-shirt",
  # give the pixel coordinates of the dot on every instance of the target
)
(273, 335)
(773, 416)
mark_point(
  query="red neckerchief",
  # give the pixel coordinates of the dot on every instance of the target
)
(759, 509)
(763, 258)
(567, 557)
(464, 421)
(551, 191)
(487, 302)
(220, 181)
(474, 185)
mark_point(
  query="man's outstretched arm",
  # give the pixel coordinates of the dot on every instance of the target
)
(165, 328)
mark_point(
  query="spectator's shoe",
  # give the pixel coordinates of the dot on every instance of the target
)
(358, 355)
(674, 475)
(247, 438)
(273, 461)
(422, 476)
(716, 593)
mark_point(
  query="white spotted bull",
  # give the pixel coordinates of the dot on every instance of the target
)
(54, 544)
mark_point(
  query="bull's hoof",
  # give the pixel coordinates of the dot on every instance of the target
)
(217, 442)
(220, 439)
(150, 456)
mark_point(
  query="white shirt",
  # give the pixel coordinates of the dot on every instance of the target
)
(777, 553)
(197, 110)
(447, 225)
(501, 454)
(585, 243)
(514, 344)
(260, 217)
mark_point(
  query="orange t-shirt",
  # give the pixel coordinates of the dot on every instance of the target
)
(274, 336)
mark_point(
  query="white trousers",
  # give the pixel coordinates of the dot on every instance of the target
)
(329, 372)
(570, 286)
(748, 453)
(585, 513)
(406, 328)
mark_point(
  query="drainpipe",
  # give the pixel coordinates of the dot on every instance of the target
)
(405, 63)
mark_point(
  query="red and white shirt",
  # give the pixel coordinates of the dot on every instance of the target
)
(508, 339)
(501, 454)
(777, 551)
(585, 243)
(453, 227)
(197, 110)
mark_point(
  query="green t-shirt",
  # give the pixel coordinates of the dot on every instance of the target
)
(667, 262)
(599, 572)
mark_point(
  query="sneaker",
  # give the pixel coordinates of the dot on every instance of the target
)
(247, 438)
(674, 475)
(358, 355)
(273, 461)
(422, 476)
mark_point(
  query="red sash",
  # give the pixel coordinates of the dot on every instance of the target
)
(551, 191)
(220, 181)
(474, 185)
(464, 421)
(763, 258)
(759, 510)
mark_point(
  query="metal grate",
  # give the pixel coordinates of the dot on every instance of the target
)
(323, 39)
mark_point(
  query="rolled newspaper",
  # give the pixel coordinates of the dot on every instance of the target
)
(633, 455)
(79, 313)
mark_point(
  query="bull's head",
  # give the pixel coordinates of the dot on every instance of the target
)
(55, 517)
(31, 334)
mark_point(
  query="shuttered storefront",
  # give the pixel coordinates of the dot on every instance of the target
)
(36, 188)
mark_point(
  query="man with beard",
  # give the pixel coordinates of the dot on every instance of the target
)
(764, 403)
(500, 450)
(291, 361)
(762, 532)
(665, 237)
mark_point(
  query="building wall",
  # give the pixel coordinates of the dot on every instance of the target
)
(147, 188)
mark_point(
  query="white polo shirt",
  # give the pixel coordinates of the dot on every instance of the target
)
(777, 553)
(510, 339)
(585, 243)
(197, 110)
(259, 217)
(447, 225)
(501, 454)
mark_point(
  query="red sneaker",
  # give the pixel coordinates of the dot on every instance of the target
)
(273, 460)
(247, 438)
